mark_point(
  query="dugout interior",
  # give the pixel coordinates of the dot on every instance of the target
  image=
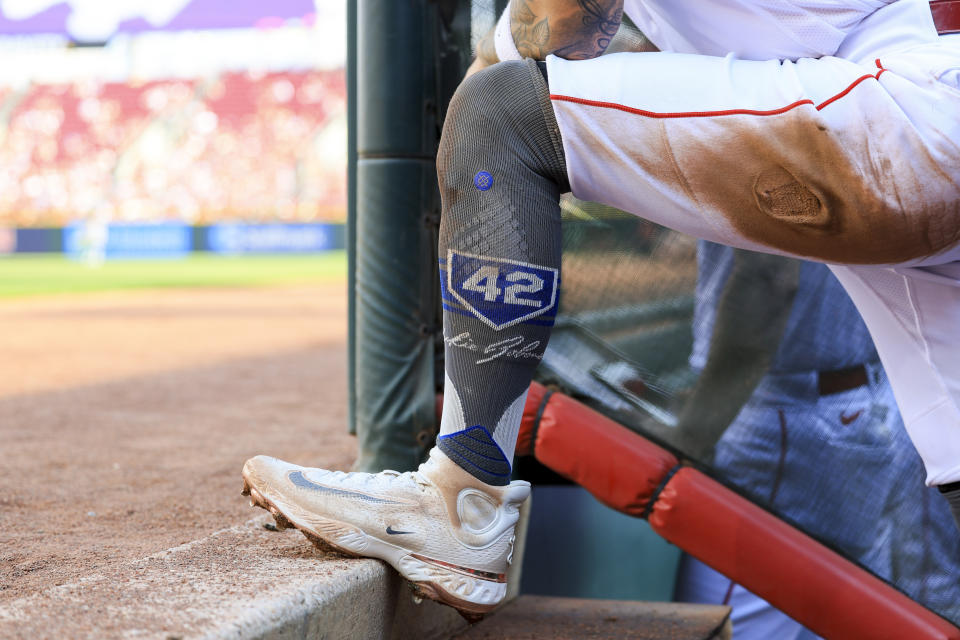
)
(835, 465)
(658, 342)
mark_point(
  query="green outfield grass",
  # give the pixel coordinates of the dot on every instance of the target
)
(30, 275)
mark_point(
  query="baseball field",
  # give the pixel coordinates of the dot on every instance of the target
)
(131, 394)
(32, 275)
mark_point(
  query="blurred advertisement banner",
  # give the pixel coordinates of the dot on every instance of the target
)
(92, 240)
(274, 238)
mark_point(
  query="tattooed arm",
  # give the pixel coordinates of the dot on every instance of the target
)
(571, 29)
(627, 38)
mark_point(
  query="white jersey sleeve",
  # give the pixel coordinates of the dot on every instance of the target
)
(751, 29)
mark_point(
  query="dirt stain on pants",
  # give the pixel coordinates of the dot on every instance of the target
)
(863, 195)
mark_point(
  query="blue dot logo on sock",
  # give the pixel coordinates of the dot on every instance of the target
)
(483, 180)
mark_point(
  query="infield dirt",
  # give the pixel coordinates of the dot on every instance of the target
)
(125, 418)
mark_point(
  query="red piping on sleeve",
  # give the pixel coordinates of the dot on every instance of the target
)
(725, 112)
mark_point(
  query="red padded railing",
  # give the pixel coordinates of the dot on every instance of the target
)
(946, 15)
(809, 582)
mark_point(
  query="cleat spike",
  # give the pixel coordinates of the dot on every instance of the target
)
(282, 522)
(470, 617)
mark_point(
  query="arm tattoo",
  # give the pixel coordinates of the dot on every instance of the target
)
(572, 29)
(529, 34)
(602, 19)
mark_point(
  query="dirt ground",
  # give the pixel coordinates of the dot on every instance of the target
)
(125, 418)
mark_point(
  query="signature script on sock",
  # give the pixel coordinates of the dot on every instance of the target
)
(512, 347)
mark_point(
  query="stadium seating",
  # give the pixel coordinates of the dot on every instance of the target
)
(238, 146)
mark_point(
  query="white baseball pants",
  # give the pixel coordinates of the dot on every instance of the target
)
(848, 163)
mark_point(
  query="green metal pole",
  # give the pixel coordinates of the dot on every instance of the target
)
(404, 52)
(351, 240)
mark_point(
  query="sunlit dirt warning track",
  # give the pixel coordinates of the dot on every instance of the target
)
(125, 418)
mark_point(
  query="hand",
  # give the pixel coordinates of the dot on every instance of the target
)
(486, 54)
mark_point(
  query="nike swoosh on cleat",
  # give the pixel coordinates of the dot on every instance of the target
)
(297, 478)
(394, 532)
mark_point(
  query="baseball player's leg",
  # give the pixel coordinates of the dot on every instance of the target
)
(822, 159)
(448, 527)
(750, 455)
(501, 172)
(753, 617)
(816, 158)
(951, 491)
(787, 429)
(925, 558)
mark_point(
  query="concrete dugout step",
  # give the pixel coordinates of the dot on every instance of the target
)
(251, 582)
(246, 582)
(543, 618)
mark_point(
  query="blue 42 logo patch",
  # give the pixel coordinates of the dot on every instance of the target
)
(501, 292)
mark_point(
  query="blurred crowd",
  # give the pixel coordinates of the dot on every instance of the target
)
(237, 146)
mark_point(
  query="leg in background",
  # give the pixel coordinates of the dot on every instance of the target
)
(912, 314)
(753, 617)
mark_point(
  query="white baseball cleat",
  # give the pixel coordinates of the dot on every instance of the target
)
(445, 531)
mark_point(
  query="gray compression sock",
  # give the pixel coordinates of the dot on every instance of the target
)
(952, 493)
(501, 171)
